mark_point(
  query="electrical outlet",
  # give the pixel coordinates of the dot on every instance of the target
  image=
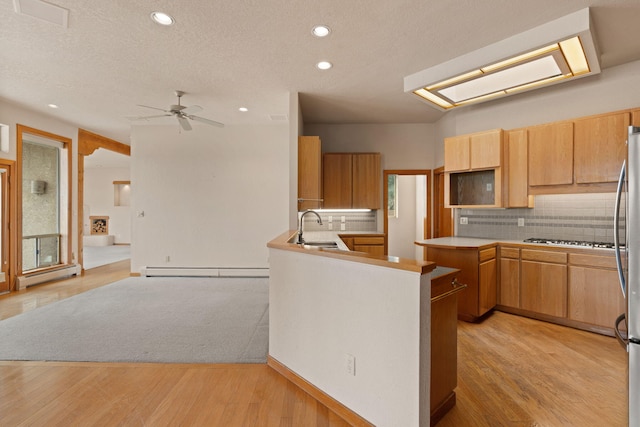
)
(343, 226)
(330, 226)
(330, 219)
(464, 220)
(520, 222)
(350, 364)
(489, 186)
(343, 218)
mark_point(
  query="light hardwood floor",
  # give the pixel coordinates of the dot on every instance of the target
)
(512, 371)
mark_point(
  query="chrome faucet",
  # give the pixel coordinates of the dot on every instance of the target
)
(300, 239)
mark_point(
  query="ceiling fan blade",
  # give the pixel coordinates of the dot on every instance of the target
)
(148, 117)
(184, 123)
(192, 109)
(154, 108)
(207, 121)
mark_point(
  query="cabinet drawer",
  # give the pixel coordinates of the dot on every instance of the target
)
(487, 254)
(592, 260)
(509, 253)
(368, 240)
(544, 256)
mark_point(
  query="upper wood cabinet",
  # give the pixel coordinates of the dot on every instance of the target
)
(516, 184)
(309, 173)
(336, 180)
(352, 180)
(551, 154)
(366, 181)
(473, 176)
(482, 150)
(600, 147)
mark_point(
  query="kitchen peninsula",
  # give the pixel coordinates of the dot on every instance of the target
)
(352, 329)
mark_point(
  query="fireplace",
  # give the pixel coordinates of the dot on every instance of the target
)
(99, 224)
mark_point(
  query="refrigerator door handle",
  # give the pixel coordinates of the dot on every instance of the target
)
(624, 342)
(616, 229)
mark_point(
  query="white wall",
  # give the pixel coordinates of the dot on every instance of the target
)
(403, 146)
(99, 201)
(212, 197)
(313, 325)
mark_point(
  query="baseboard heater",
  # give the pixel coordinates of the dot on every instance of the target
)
(203, 272)
(23, 282)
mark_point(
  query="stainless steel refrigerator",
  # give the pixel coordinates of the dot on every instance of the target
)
(627, 242)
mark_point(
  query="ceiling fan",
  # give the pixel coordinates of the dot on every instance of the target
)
(181, 112)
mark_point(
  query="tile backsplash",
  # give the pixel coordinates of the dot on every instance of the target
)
(332, 221)
(587, 217)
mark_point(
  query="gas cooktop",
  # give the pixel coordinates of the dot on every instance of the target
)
(596, 245)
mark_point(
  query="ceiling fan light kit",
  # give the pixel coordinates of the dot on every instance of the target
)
(181, 112)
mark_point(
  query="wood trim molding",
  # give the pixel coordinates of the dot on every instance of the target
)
(88, 142)
(332, 404)
(68, 145)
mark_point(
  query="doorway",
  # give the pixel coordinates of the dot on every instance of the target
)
(88, 143)
(407, 218)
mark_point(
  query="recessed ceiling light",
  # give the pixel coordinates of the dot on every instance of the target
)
(324, 65)
(321, 31)
(162, 18)
(243, 109)
(53, 106)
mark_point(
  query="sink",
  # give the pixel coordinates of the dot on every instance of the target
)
(324, 245)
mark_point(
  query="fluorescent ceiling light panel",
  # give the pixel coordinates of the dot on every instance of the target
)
(41, 10)
(551, 53)
(515, 76)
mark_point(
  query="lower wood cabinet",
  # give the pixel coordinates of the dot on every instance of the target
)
(509, 285)
(544, 288)
(570, 288)
(478, 270)
(594, 291)
(375, 244)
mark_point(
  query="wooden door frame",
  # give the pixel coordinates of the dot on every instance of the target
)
(67, 145)
(427, 220)
(9, 239)
(88, 142)
(438, 174)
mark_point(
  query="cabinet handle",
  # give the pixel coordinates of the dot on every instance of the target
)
(457, 287)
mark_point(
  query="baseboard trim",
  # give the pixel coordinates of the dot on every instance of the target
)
(445, 406)
(203, 272)
(25, 281)
(332, 404)
(135, 274)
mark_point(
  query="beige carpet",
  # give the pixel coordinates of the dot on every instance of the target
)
(141, 319)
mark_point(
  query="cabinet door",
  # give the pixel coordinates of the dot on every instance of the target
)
(509, 289)
(366, 182)
(486, 149)
(551, 154)
(635, 118)
(309, 172)
(543, 288)
(336, 180)
(488, 274)
(600, 147)
(457, 155)
(517, 185)
(594, 296)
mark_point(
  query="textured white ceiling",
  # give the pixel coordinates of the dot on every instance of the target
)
(253, 53)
